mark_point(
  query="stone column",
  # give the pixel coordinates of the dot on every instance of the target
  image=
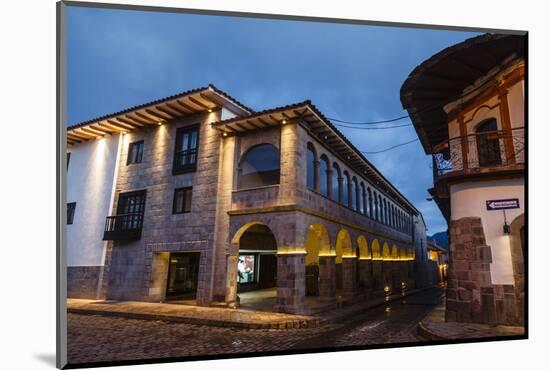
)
(327, 278)
(377, 275)
(340, 188)
(291, 284)
(365, 273)
(317, 178)
(470, 296)
(329, 185)
(349, 285)
(231, 281)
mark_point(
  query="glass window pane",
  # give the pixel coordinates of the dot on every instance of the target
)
(260, 166)
(187, 202)
(323, 182)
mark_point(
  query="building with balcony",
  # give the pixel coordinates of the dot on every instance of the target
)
(467, 104)
(198, 198)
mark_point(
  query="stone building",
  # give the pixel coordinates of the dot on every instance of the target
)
(198, 197)
(467, 105)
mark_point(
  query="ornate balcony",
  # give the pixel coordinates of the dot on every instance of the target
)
(480, 153)
(123, 227)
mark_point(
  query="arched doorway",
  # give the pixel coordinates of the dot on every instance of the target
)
(316, 242)
(252, 267)
(343, 247)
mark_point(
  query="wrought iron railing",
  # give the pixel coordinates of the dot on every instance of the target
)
(185, 159)
(123, 227)
(490, 149)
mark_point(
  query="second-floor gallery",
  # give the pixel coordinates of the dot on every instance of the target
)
(198, 198)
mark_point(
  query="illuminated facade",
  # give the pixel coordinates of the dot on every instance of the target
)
(210, 199)
(467, 105)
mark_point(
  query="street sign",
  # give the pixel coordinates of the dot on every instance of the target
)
(499, 204)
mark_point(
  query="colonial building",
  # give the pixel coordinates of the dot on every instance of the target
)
(439, 257)
(467, 105)
(197, 196)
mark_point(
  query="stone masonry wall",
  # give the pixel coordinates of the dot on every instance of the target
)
(82, 281)
(471, 297)
(130, 263)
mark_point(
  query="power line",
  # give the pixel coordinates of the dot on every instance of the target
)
(369, 123)
(391, 147)
(458, 96)
(373, 128)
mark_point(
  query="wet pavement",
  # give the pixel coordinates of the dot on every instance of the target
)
(97, 338)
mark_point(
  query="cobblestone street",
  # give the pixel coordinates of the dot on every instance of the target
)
(96, 338)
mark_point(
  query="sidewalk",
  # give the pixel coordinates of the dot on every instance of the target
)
(434, 327)
(210, 316)
(219, 316)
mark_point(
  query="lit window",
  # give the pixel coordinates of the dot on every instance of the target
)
(185, 154)
(182, 200)
(135, 152)
(70, 212)
(260, 166)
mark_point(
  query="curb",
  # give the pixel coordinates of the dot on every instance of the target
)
(294, 324)
(427, 334)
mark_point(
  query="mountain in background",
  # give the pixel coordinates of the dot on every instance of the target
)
(440, 239)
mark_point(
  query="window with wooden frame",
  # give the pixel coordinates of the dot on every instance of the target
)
(186, 149)
(70, 212)
(182, 200)
(135, 152)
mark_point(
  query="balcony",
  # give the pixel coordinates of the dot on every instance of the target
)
(489, 152)
(123, 227)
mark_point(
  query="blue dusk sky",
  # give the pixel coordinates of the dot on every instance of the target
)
(121, 58)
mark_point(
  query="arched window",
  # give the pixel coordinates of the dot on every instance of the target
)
(391, 215)
(260, 166)
(345, 189)
(488, 144)
(323, 175)
(311, 164)
(369, 194)
(353, 195)
(336, 190)
(363, 199)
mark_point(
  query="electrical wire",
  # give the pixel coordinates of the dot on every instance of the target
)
(427, 109)
(373, 128)
(391, 147)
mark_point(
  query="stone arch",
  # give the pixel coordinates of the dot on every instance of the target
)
(242, 239)
(344, 246)
(386, 252)
(235, 241)
(363, 247)
(317, 242)
(375, 249)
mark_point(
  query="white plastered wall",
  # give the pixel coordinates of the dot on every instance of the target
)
(468, 199)
(90, 183)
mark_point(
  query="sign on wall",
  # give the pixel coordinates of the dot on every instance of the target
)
(499, 204)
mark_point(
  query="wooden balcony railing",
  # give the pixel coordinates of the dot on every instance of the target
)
(497, 150)
(123, 227)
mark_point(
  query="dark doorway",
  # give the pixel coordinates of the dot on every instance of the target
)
(257, 262)
(183, 275)
(488, 144)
